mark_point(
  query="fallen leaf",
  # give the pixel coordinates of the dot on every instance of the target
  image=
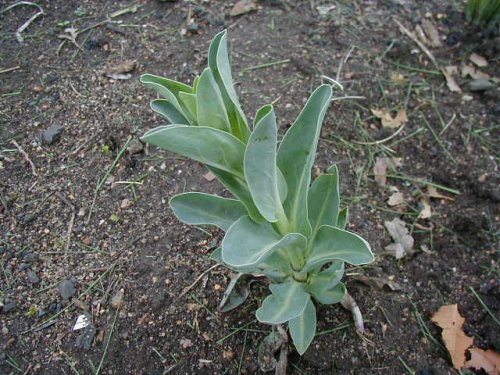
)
(387, 120)
(478, 60)
(403, 241)
(242, 7)
(433, 38)
(432, 192)
(398, 78)
(426, 211)
(448, 73)
(209, 176)
(380, 171)
(377, 282)
(487, 360)
(456, 341)
(469, 70)
(123, 67)
(396, 199)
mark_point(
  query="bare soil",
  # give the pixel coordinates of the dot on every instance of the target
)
(95, 215)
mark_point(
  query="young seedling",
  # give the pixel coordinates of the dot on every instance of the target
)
(280, 225)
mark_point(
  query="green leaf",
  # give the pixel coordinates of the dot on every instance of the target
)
(236, 293)
(327, 278)
(323, 200)
(169, 111)
(207, 145)
(332, 295)
(334, 243)
(343, 218)
(287, 301)
(211, 111)
(260, 166)
(248, 243)
(303, 328)
(188, 101)
(218, 61)
(200, 208)
(238, 187)
(296, 156)
(157, 82)
(282, 187)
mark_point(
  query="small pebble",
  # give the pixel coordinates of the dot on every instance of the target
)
(67, 289)
(32, 277)
(117, 300)
(52, 134)
(9, 306)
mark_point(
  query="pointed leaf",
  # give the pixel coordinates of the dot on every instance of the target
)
(169, 111)
(343, 218)
(248, 243)
(296, 156)
(239, 189)
(207, 145)
(333, 243)
(282, 187)
(200, 208)
(287, 301)
(260, 166)
(210, 106)
(327, 278)
(188, 102)
(218, 61)
(236, 292)
(330, 296)
(303, 328)
(323, 200)
(171, 85)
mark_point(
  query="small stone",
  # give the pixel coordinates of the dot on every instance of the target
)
(9, 306)
(2, 250)
(67, 289)
(87, 240)
(54, 307)
(480, 84)
(30, 258)
(52, 134)
(192, 28)
(229, 355)
(125, 204)
(85, 339)
(186, 343)
(32, 277)
(135, 147)
(117, 300)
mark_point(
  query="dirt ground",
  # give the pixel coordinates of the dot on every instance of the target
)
(84, 220)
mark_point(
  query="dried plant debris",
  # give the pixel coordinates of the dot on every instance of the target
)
(448, 73)
(457, 343)
(381, 166)
(403, 241)
(387, 120)
(242, 7)
(377, 282)
(478, 60)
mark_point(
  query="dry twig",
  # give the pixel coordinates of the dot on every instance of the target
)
(350, 304)
(188, 288)
(26, 157)
(21, 28)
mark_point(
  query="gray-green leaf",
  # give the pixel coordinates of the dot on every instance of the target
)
(260, 166)
(343, 218)
(211, 110)
(330, 296)
(334, 243)
(207, 145)
(323, 200)
(165, 108)
(296, 156)
(287, 301)
(248, 243)
(201, 208)
(327, 278)
(303, 328)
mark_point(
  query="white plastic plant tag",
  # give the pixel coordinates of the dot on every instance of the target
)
(81, 322)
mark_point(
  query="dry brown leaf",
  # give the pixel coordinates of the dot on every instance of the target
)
(487, 360)
(478, 60)
(209, 176)
(377, 282)
(403, 241)
(426, 211)
(387, 120)
(469, 70)
(456, 341)
(380, 171)
(123, 67)
(432, 192)
(396, 199)
(433, 38)
(242, 7)
(448, 73)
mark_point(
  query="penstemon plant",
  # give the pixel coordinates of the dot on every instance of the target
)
(280, 225)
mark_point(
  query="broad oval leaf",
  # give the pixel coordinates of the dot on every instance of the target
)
(248, 243)
(333, 243)
(287, 301)
(218, 61)
(259, 166)
(201, 208)
(330, 296)
(210, 107)
(303, 328)
(207, 145)
(169, 111)
(323, 200)
(327, 278)
(296, 156)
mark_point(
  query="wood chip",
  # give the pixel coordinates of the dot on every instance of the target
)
(396, 199)
(387, 120)
(479, 60)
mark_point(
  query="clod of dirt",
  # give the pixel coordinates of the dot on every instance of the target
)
(403, 242)
(67, 289)
(52, 134)
(135, 147)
